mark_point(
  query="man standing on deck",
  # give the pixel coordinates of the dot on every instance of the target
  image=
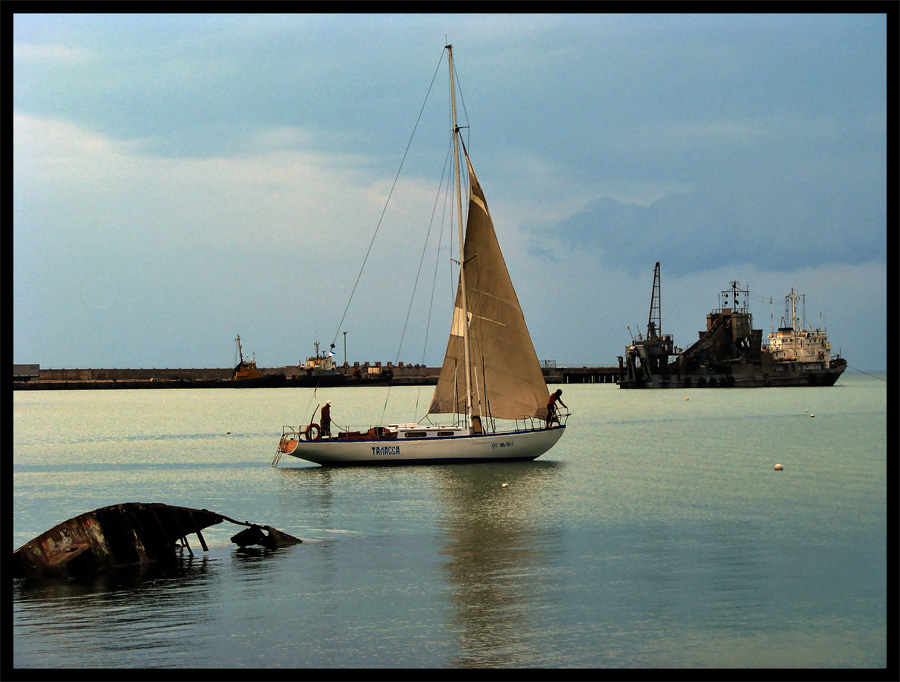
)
(326, 420)
(551, 407)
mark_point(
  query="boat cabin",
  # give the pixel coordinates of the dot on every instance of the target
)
(404, 431)
(419, 431)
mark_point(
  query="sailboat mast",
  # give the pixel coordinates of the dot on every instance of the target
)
(462, 259)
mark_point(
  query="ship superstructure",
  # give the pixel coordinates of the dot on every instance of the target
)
(792, 343)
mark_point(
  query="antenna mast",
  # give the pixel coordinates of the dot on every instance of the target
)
(791, 304)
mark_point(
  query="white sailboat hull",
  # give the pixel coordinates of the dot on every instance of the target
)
(508, 446)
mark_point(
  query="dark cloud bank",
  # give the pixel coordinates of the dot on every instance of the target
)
(783, 228)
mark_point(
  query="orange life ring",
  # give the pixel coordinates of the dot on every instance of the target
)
(309, 430)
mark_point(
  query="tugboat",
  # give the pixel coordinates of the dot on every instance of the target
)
(730, 353)
(247, 375)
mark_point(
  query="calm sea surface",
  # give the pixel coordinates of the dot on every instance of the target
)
(655, 534)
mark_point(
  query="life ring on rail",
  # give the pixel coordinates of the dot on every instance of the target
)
(313, 432)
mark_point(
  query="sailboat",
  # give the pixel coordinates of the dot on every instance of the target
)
(490, 370)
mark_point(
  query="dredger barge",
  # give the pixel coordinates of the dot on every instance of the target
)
(730, 353)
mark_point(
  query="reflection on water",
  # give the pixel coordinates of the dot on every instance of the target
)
(496, 562)
(497, 559)
(138, 614)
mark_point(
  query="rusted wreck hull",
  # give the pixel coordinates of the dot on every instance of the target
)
(118, 535)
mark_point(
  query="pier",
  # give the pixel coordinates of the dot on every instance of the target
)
(33, 377)
(582, 375)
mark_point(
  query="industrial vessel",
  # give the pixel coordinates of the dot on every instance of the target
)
(729, 352)
(320, 371)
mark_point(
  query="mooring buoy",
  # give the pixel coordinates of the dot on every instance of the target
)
(778, 467)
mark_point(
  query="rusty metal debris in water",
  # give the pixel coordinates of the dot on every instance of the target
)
(129, 533)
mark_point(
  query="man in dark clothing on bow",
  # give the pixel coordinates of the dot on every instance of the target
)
(551, 407)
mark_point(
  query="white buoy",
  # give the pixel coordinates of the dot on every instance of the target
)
(778, 467)
(812, 415)
(504, 485)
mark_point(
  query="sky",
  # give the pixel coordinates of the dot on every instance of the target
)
(181, 179)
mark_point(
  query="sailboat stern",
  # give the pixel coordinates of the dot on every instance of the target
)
(287, 445)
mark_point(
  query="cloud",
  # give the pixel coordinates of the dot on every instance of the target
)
(107, 237)
(52, 55)
(60, 167)
(766, 224)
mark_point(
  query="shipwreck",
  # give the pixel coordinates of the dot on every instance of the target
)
(128, 534)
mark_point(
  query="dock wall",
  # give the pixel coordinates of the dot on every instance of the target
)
(403, 374)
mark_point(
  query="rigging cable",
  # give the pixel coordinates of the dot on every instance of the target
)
(384, 210)
(418, 272)
(437, 260)
(866, 373)
(381, 217)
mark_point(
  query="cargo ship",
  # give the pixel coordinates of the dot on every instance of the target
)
(729, 352)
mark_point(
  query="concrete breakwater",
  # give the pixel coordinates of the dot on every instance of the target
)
(32, 377)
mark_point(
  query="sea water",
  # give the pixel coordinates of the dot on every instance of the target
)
(655, 534)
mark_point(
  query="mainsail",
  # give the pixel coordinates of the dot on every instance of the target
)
(506, 377)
